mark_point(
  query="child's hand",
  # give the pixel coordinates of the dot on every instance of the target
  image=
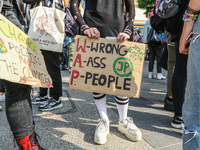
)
(122, 37)
(92, 33)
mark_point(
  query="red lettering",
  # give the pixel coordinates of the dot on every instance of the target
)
(21, 59)
(78, 60)
(75, 74)
(82, 49)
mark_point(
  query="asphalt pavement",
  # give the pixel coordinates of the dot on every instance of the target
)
(72, 127)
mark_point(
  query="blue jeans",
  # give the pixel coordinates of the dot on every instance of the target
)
(191, 106)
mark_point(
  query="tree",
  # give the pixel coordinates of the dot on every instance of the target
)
(146, 4)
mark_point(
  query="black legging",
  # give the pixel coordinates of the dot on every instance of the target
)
(179, 80)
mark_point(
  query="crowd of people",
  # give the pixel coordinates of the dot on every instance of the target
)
(182, 80)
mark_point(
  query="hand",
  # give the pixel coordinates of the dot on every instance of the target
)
(92, 33)
(183, 44)
(183, 47)
(122, 37)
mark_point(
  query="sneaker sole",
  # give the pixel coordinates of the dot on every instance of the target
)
(37, 103)
(56, 107)
(130, 137)
(100, 141)
(177, 126)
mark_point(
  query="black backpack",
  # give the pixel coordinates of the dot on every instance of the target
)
(175, 23)
(157, 23)
(172, 24)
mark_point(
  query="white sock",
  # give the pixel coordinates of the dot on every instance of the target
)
(122, 108)
(101, 106)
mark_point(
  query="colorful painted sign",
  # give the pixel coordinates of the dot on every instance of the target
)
(20, 59)
(106, 66)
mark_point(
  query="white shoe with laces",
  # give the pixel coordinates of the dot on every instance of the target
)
(101, 132)
(128, 128)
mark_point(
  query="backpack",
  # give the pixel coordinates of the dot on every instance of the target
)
(168, 15)
(167, 8)
(156, 22)
(175, 23)
(71, 26)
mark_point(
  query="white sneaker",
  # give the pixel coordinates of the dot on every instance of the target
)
(150, 76)
(1, 107)
(128, 128)
(2, 97)
(160, 76)
(101, 132)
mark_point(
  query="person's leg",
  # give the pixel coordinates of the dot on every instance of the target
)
(70, 48)
(66, 59)
(191, 106)
(102, 129)
(53, 68)
(125, 124)
(19, 109)
(168, 101)
(158, 48)
(19, 115)
(2, 93)
(151, 60)
(41, 98)
(170, 65)
(178, 86)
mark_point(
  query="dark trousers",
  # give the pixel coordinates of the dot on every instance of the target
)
(53, 67)
(19, 109)
(179, 80)
(155, 51)
(2, 89)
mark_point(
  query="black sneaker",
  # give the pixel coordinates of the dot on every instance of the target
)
(169, 106)
(39, 100)
(51, 104)
(177, 122)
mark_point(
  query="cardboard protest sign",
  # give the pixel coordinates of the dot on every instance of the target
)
(20, 59)
(105, 66)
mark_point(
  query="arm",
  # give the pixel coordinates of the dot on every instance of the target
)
(130, 15)
(89, 31)
(187, 28)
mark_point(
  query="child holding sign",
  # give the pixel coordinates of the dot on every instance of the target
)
(104, 18)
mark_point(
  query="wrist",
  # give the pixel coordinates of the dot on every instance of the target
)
(128, 31)
(84, 27)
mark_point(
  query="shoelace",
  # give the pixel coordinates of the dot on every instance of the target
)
(130, 124)
(102, 122)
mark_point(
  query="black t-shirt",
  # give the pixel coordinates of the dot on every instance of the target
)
(106, 15)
